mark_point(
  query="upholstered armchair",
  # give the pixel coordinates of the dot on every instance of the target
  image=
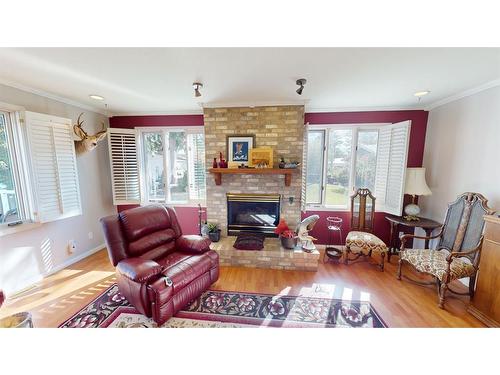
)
(459, 247)
(360, 241)
(158, 269)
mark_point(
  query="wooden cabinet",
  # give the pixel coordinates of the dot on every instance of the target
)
(486, 302)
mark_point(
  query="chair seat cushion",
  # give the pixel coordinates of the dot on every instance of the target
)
(434, 262)
(365, 241)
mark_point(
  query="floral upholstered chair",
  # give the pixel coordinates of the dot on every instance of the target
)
(459, 248)
(361, 242)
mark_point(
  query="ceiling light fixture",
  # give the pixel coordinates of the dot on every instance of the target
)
(196, 87)
(301, 82)
(419, 94)
(96, 97)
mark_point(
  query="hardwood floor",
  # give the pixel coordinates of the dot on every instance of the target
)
(399, 303)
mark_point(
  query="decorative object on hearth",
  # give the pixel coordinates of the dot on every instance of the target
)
(360, 240)
(300, 82)
(415, 185)
(261, 157)
(249, 241)
(303, 230)
(458, 251)
(238, 149)
(215, 308)
(197, 86)
(287, 237)
(213, 232)
(334, 225)
(87, 142)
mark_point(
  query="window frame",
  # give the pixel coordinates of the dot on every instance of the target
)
(165, 130)
(17, 150)
(355, 128)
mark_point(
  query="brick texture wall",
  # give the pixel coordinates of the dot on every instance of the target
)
(281, 128)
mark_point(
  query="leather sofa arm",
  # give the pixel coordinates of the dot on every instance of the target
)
(139, 270)
(192, 244)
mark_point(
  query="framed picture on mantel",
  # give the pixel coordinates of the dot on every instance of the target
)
(238, 149)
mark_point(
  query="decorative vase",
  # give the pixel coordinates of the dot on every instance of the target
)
(214, 164)
(214, 236)
(288, 243)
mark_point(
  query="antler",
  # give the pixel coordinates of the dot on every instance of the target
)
(103, 129)
(79, 124)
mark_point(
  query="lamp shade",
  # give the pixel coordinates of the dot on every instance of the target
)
(415, 182)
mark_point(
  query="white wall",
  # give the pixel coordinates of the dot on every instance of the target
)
(462, 151)
(26, 256)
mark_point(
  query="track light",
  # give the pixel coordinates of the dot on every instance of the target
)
(301, 82)
(196, 87)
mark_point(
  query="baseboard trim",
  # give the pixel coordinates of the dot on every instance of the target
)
(74, 259)
(32, 283)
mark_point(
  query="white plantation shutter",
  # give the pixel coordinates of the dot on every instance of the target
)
(303, 192)
(196, 168)
(124, 161)
(391, 167)
(56, 190)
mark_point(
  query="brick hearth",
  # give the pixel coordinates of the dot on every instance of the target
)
(273, 256)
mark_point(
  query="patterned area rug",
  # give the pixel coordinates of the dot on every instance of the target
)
(234, 310)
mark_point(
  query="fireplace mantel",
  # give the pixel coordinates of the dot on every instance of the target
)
(218, 172)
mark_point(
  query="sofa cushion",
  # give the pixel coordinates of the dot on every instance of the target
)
(249, 241)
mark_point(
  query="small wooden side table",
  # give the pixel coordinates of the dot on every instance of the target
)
(427, 225)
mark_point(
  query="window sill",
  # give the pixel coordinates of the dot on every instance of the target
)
(5, 230)
(325, 208)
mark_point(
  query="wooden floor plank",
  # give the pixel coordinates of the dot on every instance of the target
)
(399, 303)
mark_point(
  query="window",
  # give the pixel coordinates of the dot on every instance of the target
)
(342, 159)
(10, 192)
(174, 165)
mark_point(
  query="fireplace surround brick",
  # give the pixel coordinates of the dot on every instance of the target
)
(279, 127)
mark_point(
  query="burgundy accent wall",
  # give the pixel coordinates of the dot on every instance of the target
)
(415, 158)
(130, 122)
(188, 216)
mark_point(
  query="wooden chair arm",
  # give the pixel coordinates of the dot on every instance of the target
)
(406, 237)
(458, 254)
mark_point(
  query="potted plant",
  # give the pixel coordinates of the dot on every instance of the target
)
(287, 236)
(213, 232)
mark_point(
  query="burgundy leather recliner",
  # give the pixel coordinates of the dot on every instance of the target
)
(159, 270)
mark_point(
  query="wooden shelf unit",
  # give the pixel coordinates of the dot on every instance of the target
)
(218, 172)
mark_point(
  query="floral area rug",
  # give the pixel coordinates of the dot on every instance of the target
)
(222, 309)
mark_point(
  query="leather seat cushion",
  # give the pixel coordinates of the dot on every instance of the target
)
(183, 268)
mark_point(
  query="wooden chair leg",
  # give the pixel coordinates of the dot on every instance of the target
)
(398, 274)
(346, 254)
(442, 295)
(472, 286)
(382, 258)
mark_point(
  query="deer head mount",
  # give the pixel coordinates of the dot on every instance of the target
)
(87, 142)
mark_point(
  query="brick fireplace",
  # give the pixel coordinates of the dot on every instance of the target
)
(279, 127)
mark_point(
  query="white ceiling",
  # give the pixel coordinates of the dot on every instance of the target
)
(158, 80)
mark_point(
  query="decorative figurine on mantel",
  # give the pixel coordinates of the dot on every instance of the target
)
(222, 161)
(303, 230)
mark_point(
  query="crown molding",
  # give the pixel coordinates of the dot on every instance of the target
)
(363, 109)
(463, 94)
(48, 95)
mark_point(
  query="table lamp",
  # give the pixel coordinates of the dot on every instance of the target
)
(415, 185)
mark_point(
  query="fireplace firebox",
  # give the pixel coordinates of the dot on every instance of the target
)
(253, 213)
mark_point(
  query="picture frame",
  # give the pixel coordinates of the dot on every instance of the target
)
(238, 149)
